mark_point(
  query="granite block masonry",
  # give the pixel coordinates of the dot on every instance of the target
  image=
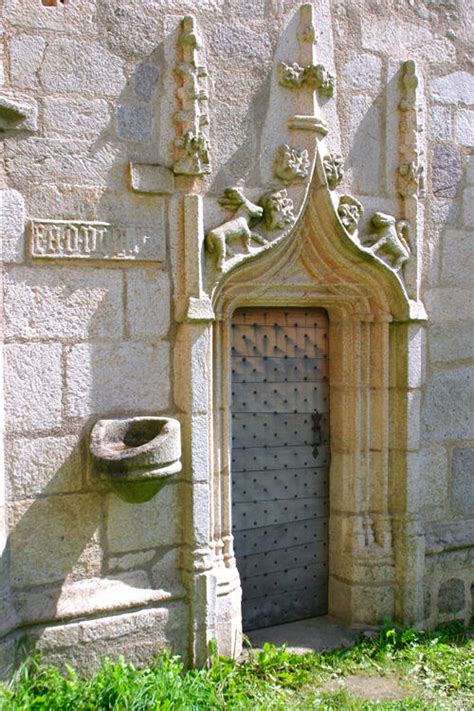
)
(161, 174)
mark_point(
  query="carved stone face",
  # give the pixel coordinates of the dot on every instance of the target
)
(277, 210)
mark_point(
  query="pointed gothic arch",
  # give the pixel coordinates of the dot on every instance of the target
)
(376, 344)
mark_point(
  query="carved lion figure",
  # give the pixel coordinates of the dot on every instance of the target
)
(390, 237)
(277, 210)
(350, 211)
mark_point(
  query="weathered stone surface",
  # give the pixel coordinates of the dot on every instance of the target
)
(151, 178)
(64, 159)
(130, 378)
(138, 636)
(72, 17)
(441, 123)
(134, 122)
(124, 34)
(7, 658)
(448, 408)
(468, 207)
(470, 171)
(145, 81)
(364, 72)
(148, 303)
(239, 43)
(12, 226)
(446, 171)
(456, 538)
(449, 303)
(165, 571)
(406, 40)
(364, 158)
(45, 465)
(131, 561)
(462, 491)
(451, 341)
(457, 262)
(26, 55)
(63, 200)
(75, 116)
(52, 303)
(54, 537)
(464, 127)
(451, 596)
(85, 68)
(33, 389)
(454, 88)
(433, 484)
(125, 529)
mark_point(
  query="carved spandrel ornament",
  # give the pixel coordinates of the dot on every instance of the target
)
(390, 239)
(275, 212)
(312, 76)
(334, 169)
(291, 164)
(350, 211)
(192, 149)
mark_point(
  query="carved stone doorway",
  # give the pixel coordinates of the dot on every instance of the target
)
(280, 462)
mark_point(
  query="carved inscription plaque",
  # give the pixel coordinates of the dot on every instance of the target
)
(63, 239)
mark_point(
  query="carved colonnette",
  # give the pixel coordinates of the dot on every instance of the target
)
(192, 151)
(412, 171)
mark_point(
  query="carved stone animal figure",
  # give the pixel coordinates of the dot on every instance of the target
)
(237, 228)
(391, 238)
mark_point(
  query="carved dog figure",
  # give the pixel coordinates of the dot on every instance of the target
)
(217, 240)
(390, 237)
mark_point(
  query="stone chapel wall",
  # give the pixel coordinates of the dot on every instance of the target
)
(90, 337)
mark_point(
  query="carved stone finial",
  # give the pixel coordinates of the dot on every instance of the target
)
(192, 150)
(313, 76)
(291, 164)
(350, 211)
(277, 210)
(390, 238)
(333, 167)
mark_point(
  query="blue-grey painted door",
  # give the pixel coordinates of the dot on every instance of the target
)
(280, 462)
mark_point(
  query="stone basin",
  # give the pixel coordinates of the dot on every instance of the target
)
(136, 455)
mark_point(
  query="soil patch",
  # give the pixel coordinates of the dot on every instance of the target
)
(370, 688)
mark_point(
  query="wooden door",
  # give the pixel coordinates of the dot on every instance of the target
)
(280, 462)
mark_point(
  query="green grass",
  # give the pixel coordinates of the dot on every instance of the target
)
(436, 668)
